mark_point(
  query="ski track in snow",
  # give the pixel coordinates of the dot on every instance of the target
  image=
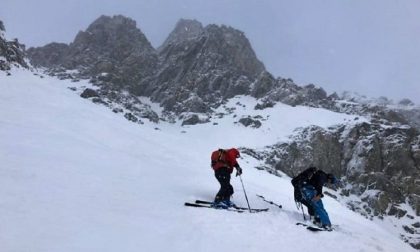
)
(75, 176)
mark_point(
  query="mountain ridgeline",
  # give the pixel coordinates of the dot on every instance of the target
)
(195, 69)
(198, 68)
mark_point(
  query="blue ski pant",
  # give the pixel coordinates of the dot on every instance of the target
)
(308, 193)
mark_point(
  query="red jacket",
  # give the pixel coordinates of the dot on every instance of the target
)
(225, 158)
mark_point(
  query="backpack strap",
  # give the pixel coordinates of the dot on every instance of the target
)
(221, 155)
(219, 158)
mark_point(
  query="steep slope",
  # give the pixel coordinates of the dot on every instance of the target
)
(76, 177)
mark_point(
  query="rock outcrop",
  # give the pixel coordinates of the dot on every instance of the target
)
(379, 164)
(200, 66)
(11, 52)
(112, 52)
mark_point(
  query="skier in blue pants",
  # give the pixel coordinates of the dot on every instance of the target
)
(309, 193)
(312, 193)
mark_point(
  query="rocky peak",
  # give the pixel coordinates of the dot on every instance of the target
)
(236, 48)
(112, 52)
(223, 45)
(196, 67)
(185, 29)
(113, 38)
(208, 65)
(111, 32)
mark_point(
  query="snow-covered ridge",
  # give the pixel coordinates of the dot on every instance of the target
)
(77, 177)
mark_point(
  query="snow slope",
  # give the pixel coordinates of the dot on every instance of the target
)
(76, 177)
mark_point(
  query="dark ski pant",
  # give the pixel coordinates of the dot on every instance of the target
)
(299, 198)
(311, 210)
(226, 190)
(308, 193)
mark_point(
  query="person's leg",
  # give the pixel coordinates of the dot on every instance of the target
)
(322, 213)
(230, 189)
(222, 175)
(225, 184)
(308, 193)
(311, 211)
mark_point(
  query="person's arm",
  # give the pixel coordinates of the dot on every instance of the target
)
(238, 169)
(318, 182)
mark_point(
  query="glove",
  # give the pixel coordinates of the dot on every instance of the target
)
(316, 198)
(238, 171)
(338, 183)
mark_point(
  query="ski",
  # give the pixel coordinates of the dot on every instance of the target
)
(234, 206)
(268, 201)
(208, 206)
(313, 228)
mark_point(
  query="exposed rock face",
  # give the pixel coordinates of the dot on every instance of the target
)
(369, 156)
(111, 46)
(381, 110)
(185, 29)
(380, 164)
(250, 122)
(196, 69)
(48, 56)
(193, 120)
(89, 93)
(202, 65)
(11, 52)
(272, 90)
(114, 54)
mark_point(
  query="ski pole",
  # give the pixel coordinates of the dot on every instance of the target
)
(269, 201)
(303, 213)
(246, 197)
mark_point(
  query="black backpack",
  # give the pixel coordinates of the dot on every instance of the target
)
(300, 180)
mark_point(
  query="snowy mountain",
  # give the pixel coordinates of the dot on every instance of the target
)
(207, 81)
(77, 177)
(196, 69)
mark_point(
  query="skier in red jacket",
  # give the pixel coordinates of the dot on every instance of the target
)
(223, 162)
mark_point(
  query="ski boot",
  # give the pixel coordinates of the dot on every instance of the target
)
(317, 221)
(228, 203)
(327, 227)
(219, 205)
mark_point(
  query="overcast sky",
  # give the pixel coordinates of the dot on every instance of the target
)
(368, 46)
